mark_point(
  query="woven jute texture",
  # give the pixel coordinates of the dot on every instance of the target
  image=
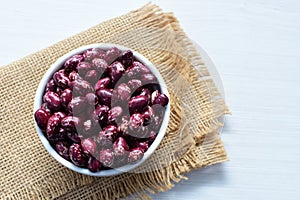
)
(27, 171)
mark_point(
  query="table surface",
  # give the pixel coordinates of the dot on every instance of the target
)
(255, 45)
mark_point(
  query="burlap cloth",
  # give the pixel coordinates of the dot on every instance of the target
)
(27, 171)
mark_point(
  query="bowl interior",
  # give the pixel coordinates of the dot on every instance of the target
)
(115, 171)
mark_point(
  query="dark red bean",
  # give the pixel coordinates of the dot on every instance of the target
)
(135, 155)
(102, 83)
(100, 113)
(91, 76)
(123, 127)
(93, 164)
(116, 71)
(136, 70)
(107, 136)
(58, 91)
(81, 87)
(146, 92)
(123, 92)
(106, 157)
(161, 99)
(41, 117)
(53, 126)
(71, 123)
(114, 115)
(52, 100)
(126, 58)
(148, 115)
(62, 149)
(104, 96)
(91, 98)
(90, 54)
(61, 79)
(120, 147)
(74, 137)
(134, 84)
(89, 146)
(74, 76)
(72, 62)
(51, 86)
(148, 78)
(60, 114)
(66, 97)
(61, 135)
(136, 120)
(111, 55)
(77, 105)
(100, 65)
(83, 68)
(77, 156)
(137, 103)
(142, 145)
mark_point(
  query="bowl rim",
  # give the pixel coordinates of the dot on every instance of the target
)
(115, 171)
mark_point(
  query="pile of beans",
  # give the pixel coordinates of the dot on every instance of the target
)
(102, 109)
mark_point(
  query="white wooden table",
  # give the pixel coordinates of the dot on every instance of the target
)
(256, 46)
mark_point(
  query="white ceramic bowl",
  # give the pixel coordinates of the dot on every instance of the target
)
(57, 65)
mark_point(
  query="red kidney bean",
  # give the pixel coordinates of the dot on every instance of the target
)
(148, 114)
(111, 55)
(100, 65)
(102, 83)
(107, 136)
(126, 58)
(134, 84)
(123, 127)
(100, 113)
(136, 70)
(116, 71)
(122, 92)
(148, 78)
(137, 103)
(60, 114)
(136, 120)
(71, 123)
(53, 126)
(142, 145)
(77, 156)
(61, 79)
(120, 147)
(66, 97)
(41, 117)
(89, 146)
(135, 155)
(90, 128)
(160, 99)
(146, 92)
(91, 76)
(83, 68)
(73, 76)
(93, 164)
(51, 86)
(52, 100)
(58, 91)
(114, 115)
(91, 98)
(72, 62)
(77, 105)
(90, 54)
(61, 135)
(81, 87)
(104, 96)
(62, 149)
(106, 157)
